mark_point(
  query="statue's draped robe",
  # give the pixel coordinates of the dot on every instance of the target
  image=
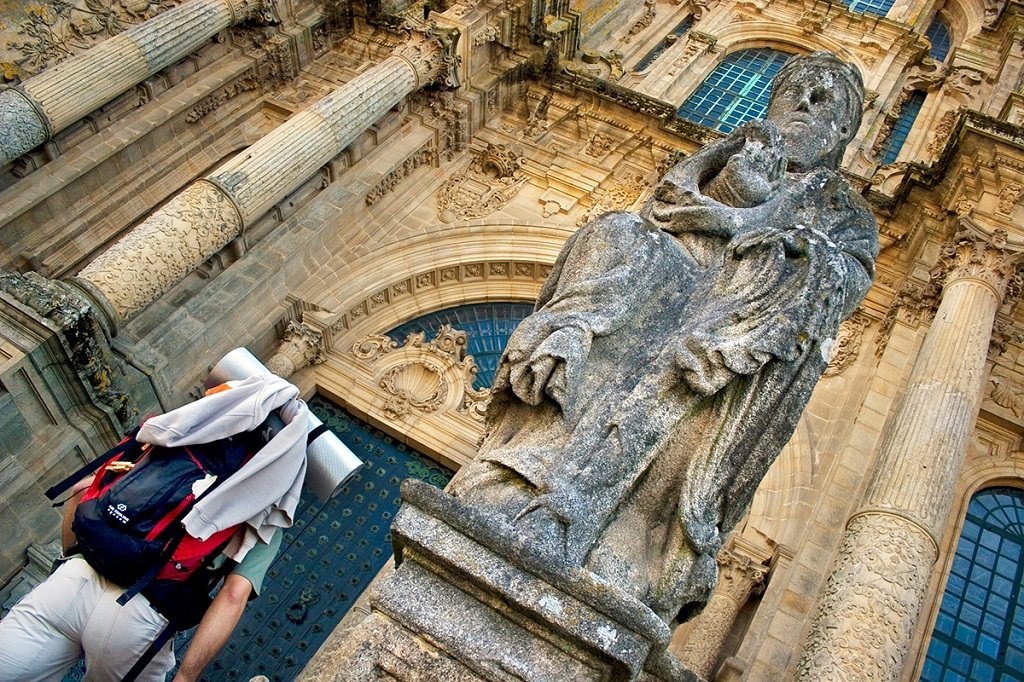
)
(685, 362)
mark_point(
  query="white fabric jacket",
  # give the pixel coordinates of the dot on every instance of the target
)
(264, 493)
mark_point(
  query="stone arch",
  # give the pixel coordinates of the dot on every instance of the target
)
(469, 262)
(788, 38)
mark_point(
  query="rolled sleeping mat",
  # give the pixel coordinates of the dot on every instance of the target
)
(329, 462)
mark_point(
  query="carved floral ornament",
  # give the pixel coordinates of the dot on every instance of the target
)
(423, 377)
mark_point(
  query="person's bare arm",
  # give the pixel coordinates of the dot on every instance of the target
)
(67, 536)
(215, 628)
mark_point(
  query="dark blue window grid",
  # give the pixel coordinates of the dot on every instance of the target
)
(488, 326)
(736, 90)
(938, 35)
(979, 632)
(879, 7)
(662, 45)
(894, 143)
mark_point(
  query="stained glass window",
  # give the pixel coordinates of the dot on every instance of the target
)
(662, 45)
(488, 326)
(736, 91)
(879, 7)
(937, 34)
(894, 143)
(979, 632)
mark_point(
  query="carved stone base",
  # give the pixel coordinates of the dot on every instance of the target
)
(471, 601)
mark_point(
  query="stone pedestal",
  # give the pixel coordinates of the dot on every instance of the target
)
(471, 600)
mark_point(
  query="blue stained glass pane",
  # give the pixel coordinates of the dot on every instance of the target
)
(879, 7)
(487, 326)
(937, 34)
(905, 121)
(736, 91)
(979, 631)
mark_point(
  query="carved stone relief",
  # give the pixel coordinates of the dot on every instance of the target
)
(620, 196)
(847, 346)
(1009, 196)
(246, 83)
(426, 156)
(645, 20)
(913, 304)
(421, 377)
(871, 600)
(1007, 394)
(485, 185)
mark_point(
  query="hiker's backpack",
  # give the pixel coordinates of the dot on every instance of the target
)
(128, 522)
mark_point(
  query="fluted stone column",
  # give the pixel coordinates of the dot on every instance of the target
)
(301, 346)
(211, 212)
(46, 104)
(870, 605)
(738, 575)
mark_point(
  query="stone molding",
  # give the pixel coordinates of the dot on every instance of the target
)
(871, 601)
(301, 345)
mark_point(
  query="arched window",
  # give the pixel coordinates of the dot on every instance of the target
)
(938, 35)
(908, 114)
(663, 44)
(879, 7)
(736, 91)
(488, 326)
(979, 632)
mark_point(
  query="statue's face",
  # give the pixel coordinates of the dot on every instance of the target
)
(810, 111)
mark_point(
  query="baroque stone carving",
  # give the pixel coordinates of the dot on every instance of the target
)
(168, 245)
(424, 377)
(871, 600)
(444, 111)
(246, 83)
(645, 20)
(631, 418)
(301, 346)
(1004, 394)
(81, 333)
(943, 131)
(485, 185)
(622, 194)
(427, 156)
(848, 343)
(1009, 196)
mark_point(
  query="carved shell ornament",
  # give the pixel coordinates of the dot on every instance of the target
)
(421, 377)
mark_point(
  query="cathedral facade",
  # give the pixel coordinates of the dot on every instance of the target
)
(369, 195)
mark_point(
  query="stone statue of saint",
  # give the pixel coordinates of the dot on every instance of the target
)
(672, 353)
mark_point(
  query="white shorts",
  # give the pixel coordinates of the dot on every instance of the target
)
(75, 613)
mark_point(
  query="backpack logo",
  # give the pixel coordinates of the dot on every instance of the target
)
(118, 512)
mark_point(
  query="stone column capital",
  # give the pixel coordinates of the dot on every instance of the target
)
(432, 55)
(981, 255)
(301, 345)
(738, 574)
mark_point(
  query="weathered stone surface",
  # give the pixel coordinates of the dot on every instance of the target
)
(490, 605)
(671, 353)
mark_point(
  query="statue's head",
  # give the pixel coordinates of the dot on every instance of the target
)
(816, 102)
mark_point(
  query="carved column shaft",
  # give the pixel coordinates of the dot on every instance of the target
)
(871, 602)
(737, 578)
(208, 214)
(45, 104)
